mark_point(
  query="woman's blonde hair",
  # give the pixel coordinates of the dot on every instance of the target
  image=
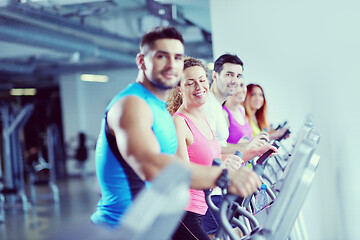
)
(175, 99)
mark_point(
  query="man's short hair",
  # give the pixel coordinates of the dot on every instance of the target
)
(227, 58)
(160, 33)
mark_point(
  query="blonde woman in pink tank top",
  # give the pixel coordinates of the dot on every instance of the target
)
(196, 141)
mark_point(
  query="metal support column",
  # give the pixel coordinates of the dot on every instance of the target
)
(52, 145)
(12, 123)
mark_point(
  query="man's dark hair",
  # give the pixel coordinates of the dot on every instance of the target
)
(227, 58)
(160, 33)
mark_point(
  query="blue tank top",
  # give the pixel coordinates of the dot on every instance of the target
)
(118, 182)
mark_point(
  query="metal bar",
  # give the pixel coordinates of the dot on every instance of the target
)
(8, 180)
(20, 119)
(14, 158)
(51, 152)
(39, 15)
(27, 34)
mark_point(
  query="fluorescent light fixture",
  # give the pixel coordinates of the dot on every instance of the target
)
(27, 1)
(94, 78)
(210, 66)
(23, 91)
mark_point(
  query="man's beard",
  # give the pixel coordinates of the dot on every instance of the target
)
(232, 91)
(159, 84)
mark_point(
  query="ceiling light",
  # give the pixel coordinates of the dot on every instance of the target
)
(23, 91)
(94, 78)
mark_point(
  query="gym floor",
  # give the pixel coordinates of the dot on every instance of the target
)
(45, 219)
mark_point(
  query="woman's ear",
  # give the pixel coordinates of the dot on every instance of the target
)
(140, 61)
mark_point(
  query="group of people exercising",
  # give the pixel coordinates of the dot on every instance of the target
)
(170, 113)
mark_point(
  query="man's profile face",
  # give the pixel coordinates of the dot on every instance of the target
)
(164, 63)
(229, 78)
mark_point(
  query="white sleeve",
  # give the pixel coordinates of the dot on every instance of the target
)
(210, 116)
(216, 120)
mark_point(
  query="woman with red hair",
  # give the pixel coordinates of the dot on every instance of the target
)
(256, 110)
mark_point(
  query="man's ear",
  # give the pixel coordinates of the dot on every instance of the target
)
(140, 61)
(214, 75)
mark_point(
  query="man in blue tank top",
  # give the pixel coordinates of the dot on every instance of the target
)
(138, 138)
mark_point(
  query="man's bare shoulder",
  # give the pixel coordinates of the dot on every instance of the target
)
(128, 110)
(129, 101)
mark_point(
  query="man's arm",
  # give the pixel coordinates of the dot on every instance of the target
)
(230, 148)
(248, 149)
(255, 147)
(130, 120)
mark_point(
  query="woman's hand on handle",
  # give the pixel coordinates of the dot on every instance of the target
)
(232, 162)
(253, 152)
(258, 140)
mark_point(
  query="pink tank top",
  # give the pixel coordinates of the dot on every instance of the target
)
(202, 151)
(237, 131)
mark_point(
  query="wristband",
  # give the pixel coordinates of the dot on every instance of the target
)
(223, 180)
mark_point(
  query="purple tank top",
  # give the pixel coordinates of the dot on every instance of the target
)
(236, 130)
